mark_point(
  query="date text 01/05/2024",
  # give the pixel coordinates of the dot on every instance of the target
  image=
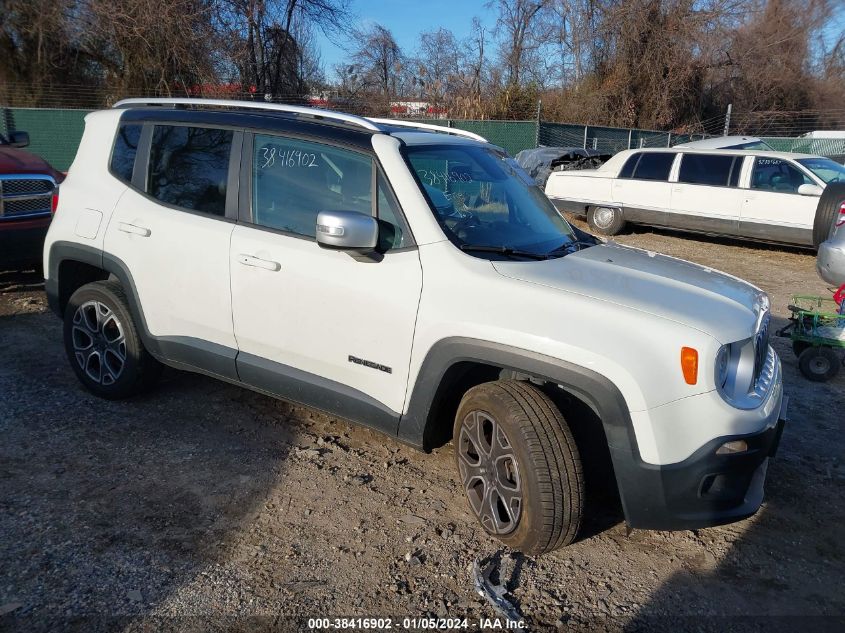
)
(435, 624)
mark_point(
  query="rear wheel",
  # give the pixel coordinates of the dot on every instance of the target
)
(103, 344)
(605, 220)
(819, 364)
(519, 466)
(828, 208)
(798, 347)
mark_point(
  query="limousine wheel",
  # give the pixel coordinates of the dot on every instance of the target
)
(819, 364)
(605, 220)
(519, 466)
(103, 344)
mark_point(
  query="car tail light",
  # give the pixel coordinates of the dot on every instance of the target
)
(689, 364)
(54, 202)
(841, 220)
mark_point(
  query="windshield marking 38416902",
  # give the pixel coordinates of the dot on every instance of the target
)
(488, 206)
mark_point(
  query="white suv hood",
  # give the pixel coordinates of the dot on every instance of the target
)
(713, 302)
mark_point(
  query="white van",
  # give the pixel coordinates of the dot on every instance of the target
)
(766, 196)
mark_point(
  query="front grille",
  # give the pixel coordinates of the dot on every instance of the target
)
(26, 186)
(25, 196)
(761, 348)
(763, 381)
(26, 207)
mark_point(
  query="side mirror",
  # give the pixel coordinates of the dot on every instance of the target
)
(347, 230)
(810, 190)
(18, 139)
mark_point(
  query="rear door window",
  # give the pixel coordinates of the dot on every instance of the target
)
(654, 166)
(708, 169)
(189, 167)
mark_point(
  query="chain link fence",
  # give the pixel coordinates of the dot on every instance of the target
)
(802, 145)
(55, 134)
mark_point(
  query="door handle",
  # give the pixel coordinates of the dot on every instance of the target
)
(257, 262)
(133, 229)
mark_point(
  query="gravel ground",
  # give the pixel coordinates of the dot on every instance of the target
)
(202, 506)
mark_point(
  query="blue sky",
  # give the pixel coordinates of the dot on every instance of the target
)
(406, 19)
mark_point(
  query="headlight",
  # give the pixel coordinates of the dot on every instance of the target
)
(723, 358)
(735, 373)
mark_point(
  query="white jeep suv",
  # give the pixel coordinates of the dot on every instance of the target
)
(414, 280)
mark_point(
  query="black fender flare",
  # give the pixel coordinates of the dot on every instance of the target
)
(596, 390)
(181, 352)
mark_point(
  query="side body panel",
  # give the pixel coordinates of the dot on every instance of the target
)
(777, 216)
(89, 193)
(324, 313)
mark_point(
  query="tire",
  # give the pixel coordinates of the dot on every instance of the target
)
(819, 364)
(798, 347)
(533, 500)
(830, 202)
(605, 220)
(98, 330)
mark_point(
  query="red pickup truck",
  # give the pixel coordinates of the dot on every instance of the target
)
(28, 196)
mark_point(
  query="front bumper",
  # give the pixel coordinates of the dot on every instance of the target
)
(830, 262)
(22, 242)
(704, 490)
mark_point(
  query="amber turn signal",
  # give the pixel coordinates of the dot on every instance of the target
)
(689, 364)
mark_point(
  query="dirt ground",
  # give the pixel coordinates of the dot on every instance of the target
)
(202, 506)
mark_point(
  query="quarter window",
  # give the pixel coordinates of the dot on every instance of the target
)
(294, 180)
(189, 167)
(777, 174)
(654, 166)
(627, 170)
(125, 149)
(708, 169)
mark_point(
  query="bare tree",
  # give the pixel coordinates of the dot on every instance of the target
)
(38, 51)
(145, 46)
(379, 61)
(523, 27)
(271, 41)
(438, 67)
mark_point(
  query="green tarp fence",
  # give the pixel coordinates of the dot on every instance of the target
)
(55, 135)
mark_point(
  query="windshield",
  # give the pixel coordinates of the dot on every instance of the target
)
(825, 169)
(488, 205)
(752, 145)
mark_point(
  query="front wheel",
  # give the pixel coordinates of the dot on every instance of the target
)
(519, 466)
(103, 344)
(819, 364)
(606, 220)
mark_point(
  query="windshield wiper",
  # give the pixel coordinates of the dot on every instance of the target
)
(507, 251)
(565, 249)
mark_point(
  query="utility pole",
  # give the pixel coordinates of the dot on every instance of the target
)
(537, 129)
(728, 120)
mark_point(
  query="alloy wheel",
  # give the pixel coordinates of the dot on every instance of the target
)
(489, 473)
(99, 343)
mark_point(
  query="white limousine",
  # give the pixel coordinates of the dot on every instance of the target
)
(767, 196)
